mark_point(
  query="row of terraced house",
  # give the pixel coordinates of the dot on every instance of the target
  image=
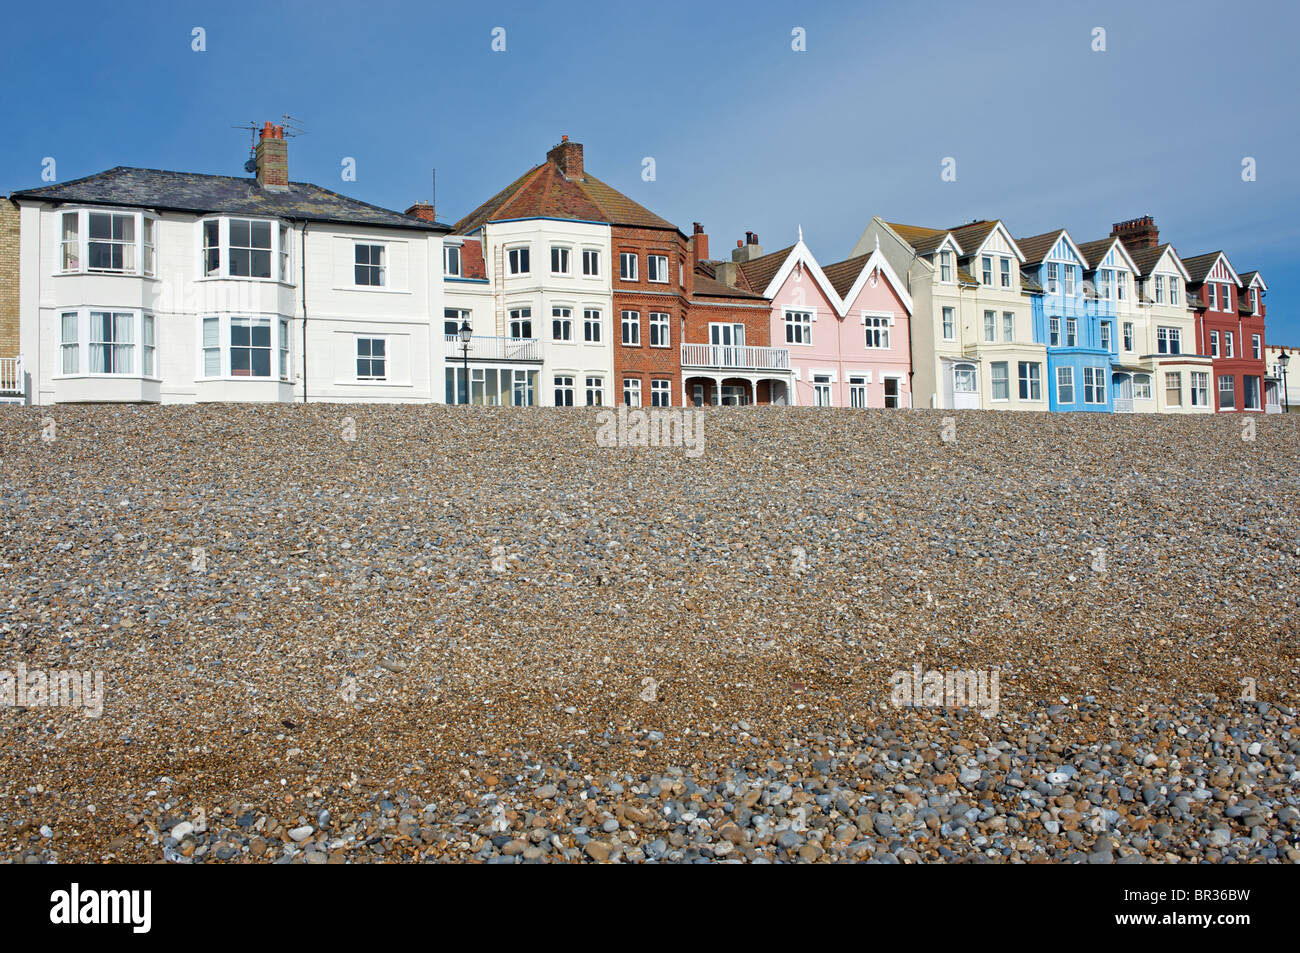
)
(140, 285)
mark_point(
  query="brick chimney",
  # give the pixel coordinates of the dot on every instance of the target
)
(567, 157)
(700, 243)
(1137, 232)
(422, 211)
(749, 249)
(272, 158)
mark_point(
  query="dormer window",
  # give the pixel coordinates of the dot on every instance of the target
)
(1006, 272)
(945, 266)
(451, 261)
(1160, 289)
(116, 243)
(1254, 300)
(1053, 278)
(986, 269)
(245, 248)
(1212, 291)
(1173, 290)
(1227, 297)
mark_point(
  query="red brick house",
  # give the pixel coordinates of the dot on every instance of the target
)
(1229, 328)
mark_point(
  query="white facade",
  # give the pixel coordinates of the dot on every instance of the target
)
(543, 315)
(124, 304)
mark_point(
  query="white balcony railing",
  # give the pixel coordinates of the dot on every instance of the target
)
(736, 356)
(486, 348)
(11, 377)
(1123, 405)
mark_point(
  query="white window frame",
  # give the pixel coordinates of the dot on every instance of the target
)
(1064, 381)
(1214, 343)
(1127, 332)
(595, 388)
(279, 325)
(1229, 345)
(1008, 326)
(876, 325)
(281, 258)
(563, 391)
(660, 329)
(632, 392)
(798, 324)
(630, 321)
(1054, 331)
(990, 327)
(661, 392)
(1200, 387)
(1031, 381)
(452, 264)
(627, 266)
(858, 391)
(358, 358)
(1231, 391)
(948, 327)
(1094, 385)
(1169, 340)
(380, 269)
(1106, 335)
(995, 381)
(561, 323)
(143, 255)
(1256, 347)
(656, 265)
(565, 255)
(82, 343)
(593, 322)
(945, 268)
(519, 261)
(591, 263)
(1071, 332)
(1142, 387)
(1174, 384)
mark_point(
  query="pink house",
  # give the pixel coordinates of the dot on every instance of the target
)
(875, 345)
(846, 326)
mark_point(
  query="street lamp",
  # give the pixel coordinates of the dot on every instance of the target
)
(1284, 359)
(466, 332)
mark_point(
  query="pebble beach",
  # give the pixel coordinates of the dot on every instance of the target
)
(360, 634)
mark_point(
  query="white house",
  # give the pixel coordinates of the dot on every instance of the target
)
(168, 287)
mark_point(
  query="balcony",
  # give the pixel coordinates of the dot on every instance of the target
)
(740, 357)
(1123, 405)
(486, 348)
(12, 385)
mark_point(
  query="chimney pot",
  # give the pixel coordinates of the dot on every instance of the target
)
(421, 210)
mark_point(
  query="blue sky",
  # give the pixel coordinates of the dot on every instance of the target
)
(746, 134)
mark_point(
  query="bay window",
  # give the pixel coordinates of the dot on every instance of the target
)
(245, 248)
(100, 341)
(244, 346)
(106, 242)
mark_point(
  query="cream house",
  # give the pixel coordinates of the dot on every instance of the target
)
(973, 340)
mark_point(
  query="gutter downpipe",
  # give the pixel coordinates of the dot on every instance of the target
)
(303, 265)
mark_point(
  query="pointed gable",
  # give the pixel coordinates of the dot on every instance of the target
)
(1108, 252)
(1056, 245)
(850, 276)
(1212, 266)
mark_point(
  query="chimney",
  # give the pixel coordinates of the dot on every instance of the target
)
(272, 159)
(1137, 232)
(567, 157)
(749, 249)
(422, 211)
(700, 242)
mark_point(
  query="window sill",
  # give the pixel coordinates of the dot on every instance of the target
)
(374, 289)
(106, 377)
(90, 273)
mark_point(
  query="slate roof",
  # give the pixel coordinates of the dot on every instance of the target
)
(545, 192)
(1095, 252)
(972, 235)
(202, 194)
(1199, 266)
(1036, 247)
(923, 240)
(759, 272)
(843, 274)
(1146, 258)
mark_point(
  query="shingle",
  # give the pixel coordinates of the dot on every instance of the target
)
(1036, 247)
(204, 194)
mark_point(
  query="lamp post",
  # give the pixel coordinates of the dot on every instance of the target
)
(466, 332)
(1283, 360)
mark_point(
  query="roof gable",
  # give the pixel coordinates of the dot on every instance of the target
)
(1108, 252)
(849, 277)
(974, 236)
(1212, 266)
(1055, 245)
(1161, 258)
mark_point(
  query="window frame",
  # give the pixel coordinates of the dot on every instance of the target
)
(81, 347)
(519, 261)
(382, 359)
(629, 319)
(565, 255)
(798, 323)
(378, 269)
(143, 265)
(279, 325)
(652, 267)
(1061, 385)
(281, 259)
(624, 272)
(660, 321)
